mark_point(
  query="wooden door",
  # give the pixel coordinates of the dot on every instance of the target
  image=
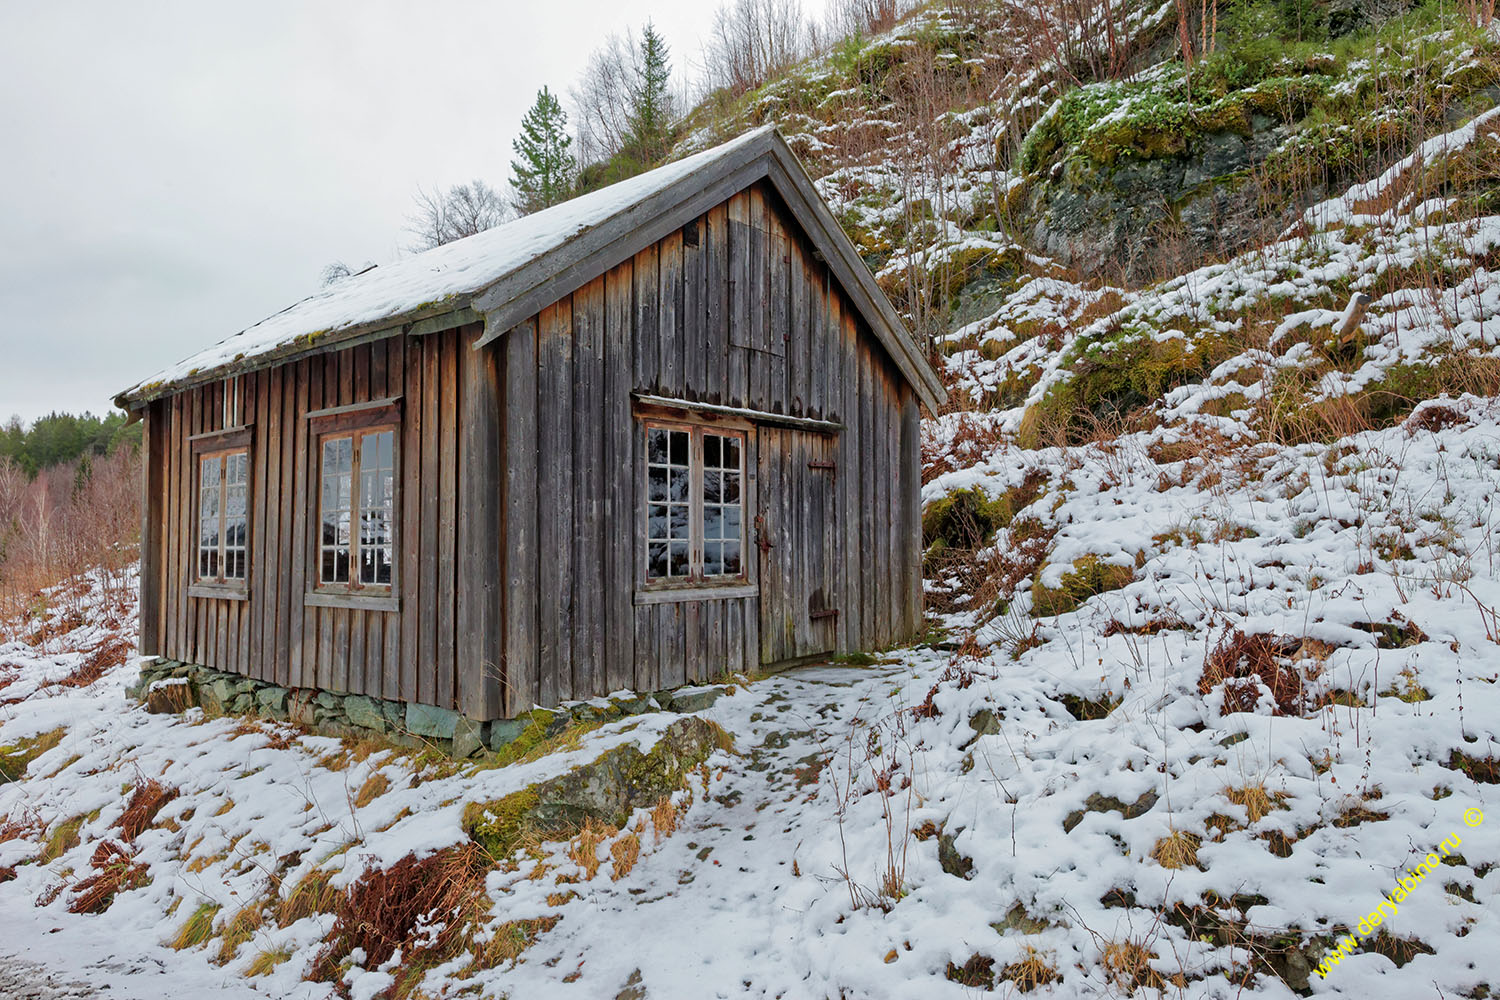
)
(793, 534)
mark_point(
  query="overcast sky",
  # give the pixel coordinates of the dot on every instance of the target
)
(173, 172)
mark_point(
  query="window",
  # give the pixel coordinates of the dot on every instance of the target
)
(357, 513)
(223, 524)
(694, 505)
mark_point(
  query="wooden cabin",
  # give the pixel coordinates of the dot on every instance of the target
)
(663, 431)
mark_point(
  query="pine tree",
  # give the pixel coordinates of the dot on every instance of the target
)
(544, 173)
(651, 111)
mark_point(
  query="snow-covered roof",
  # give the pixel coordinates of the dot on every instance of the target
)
(451, 277)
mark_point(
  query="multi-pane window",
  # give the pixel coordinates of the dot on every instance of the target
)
(694, 504)
(358, 509)
(223, 523)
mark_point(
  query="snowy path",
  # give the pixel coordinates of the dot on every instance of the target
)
(42, 958)
(716, 909)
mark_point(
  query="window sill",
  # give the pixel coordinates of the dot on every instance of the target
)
(356, 602)
(217, 592)
(707, 592)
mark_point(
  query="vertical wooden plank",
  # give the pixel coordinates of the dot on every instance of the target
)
(870, 571)
(695, 332)
(409, 563)
(430, 485)
(356, 670)
(647, 660)
(669, 381)
(304, 505)
(778, 333)
(196, 621)
(555, 484)
(339, 667)
(890, 403)
(374, 652)
(758, 301)
(520, 509)
(289, 498)
(448, 410)
(153, 487)
(647, 311)
(589, 422)
(392, 627)
(479, 515)
(799, 344)
(308, 674)
(715, 245)
(272, 651)
(911, 512)
(737, 328)
(621, 471)
(847, 363)
(692, 642)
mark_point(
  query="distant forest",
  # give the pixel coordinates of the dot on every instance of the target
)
(59, 438)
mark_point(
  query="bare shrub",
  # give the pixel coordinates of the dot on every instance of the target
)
(424, 907)
(753, 41)
(115, 870)
(147, 799)
(1284, 665)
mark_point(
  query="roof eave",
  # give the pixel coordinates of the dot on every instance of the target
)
(429, 318)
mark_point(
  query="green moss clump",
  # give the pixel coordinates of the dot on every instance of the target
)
(965, 519)
(1089, 577)
(198, 929)
(61, 839)
(1118, 376)
(16, 757)
(500, 826)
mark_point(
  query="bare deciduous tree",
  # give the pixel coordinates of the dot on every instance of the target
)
(753, 40)
(463, 210)
(601, 100)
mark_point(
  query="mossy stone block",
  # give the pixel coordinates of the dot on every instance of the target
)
(429, 720)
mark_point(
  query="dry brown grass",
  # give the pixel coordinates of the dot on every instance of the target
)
(583, 850)
(114, 871)
(664, 818)
(1128, 965)
(1034, 969)
(375, 786)
(625, 851)
(311, 894)
(425, 907)
(1177, 850)
(146, 800)
(1257, 801)
(1284, 664)
(112, 652)
(240, 929)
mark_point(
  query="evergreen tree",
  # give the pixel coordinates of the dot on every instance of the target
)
(651, 112)
(543, 175)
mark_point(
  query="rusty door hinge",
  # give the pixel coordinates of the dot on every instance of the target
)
(762, 541)
(821, 465)
(825, 613)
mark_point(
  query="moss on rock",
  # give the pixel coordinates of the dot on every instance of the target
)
(1089, 577)
(16, 757)
(607, 790)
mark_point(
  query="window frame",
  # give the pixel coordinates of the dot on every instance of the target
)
(221, 444)
(354, 422)
(695, 584)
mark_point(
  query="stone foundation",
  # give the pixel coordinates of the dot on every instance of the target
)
(172, 686)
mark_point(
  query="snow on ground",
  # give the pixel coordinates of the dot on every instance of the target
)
(876, 831)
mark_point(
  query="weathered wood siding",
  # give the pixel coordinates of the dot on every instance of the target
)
(412, 653)
(519, 519)
(734, 309)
